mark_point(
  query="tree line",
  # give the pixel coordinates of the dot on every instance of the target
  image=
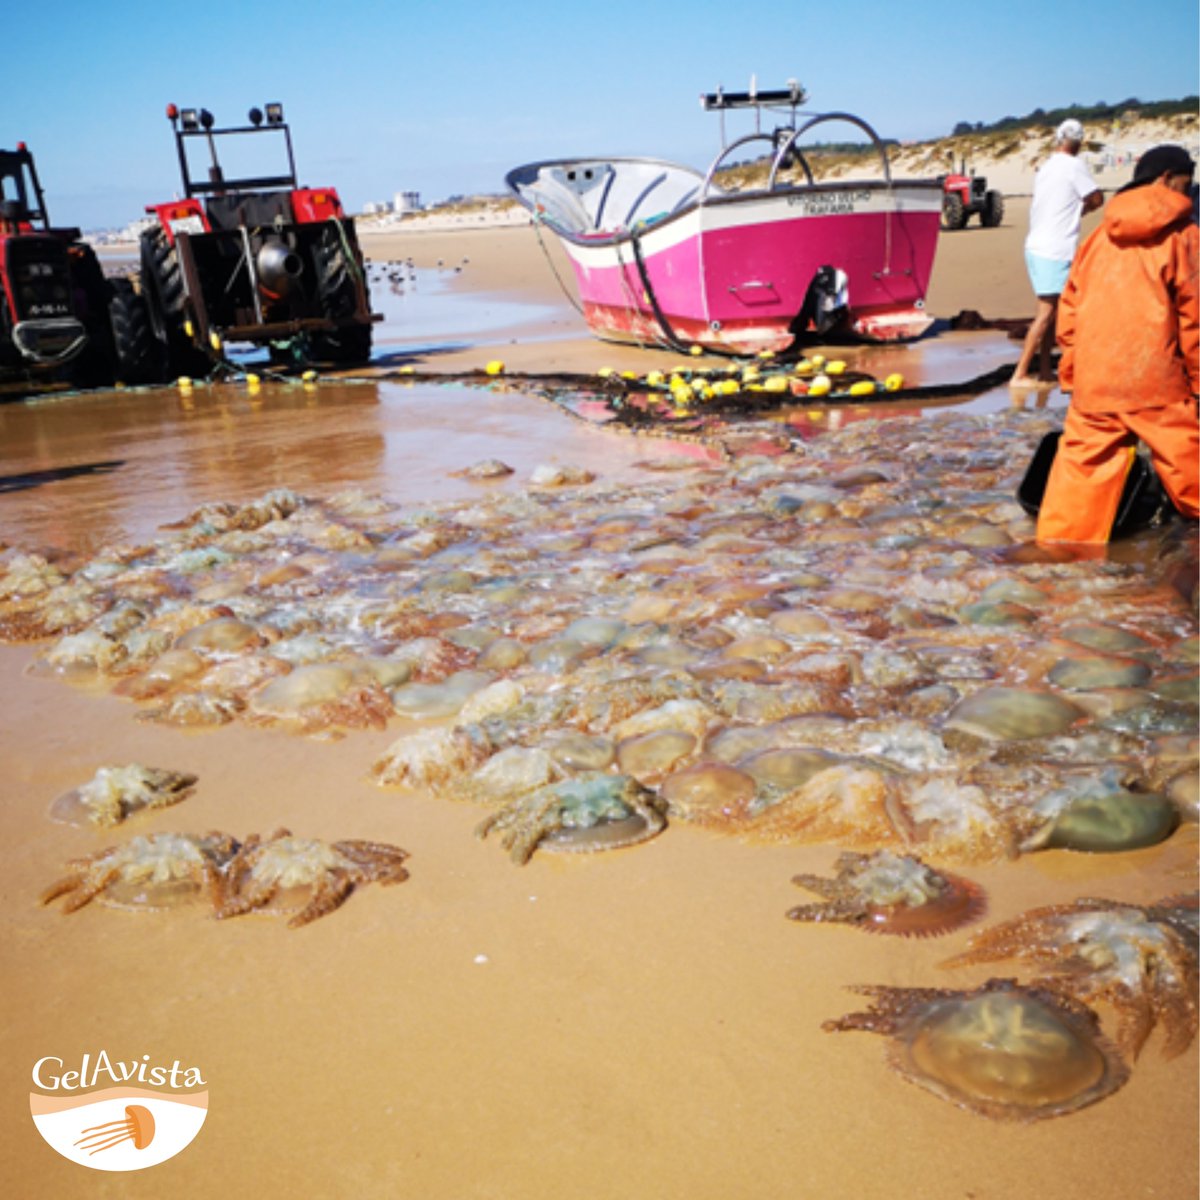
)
(1081, 112)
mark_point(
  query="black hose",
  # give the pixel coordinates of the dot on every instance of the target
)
(668, 333)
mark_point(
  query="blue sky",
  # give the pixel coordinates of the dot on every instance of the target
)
(444, 96)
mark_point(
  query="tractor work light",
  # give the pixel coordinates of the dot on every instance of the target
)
(189, 118)
(256, 117)
(274, 114)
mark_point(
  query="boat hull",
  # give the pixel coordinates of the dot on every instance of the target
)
(732, 273)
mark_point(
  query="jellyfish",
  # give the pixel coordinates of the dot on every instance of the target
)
(137, 1127)
(1004, 1051)
(891, 893)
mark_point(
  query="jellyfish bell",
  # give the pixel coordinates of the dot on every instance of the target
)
(1004, 1051)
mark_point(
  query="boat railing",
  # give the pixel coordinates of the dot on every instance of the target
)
(789, 145)
(725, 153)
(787, 148)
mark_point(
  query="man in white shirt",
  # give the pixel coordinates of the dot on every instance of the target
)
(1063, 191)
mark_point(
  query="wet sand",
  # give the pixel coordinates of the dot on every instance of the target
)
(642, 1023)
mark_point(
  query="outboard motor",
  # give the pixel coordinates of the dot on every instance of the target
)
(825, 303)
(279, 269)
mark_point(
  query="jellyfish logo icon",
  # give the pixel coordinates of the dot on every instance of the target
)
(119, 1128)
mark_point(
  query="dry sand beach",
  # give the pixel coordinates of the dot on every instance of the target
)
(642, 1023)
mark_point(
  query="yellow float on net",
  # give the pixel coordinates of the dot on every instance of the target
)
(776, 383)
(835, 368)
(695, 351)
(820, 386)
(728, 387)
(605, 372)
(893, 383)
(495, 367)
(863, 387)
(184, 383)
(818, 360)
(309, 377)
(214, 340)
(804, 367)
(655, 379)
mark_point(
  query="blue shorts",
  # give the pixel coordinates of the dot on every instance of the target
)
(1048, 275)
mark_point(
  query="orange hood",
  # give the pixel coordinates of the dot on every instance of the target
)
(1142, 214)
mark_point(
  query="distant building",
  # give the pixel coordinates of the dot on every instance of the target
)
(407, 202)
(373, 207)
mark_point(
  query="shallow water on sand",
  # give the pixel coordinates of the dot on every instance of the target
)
(81, 470)
(640, 1023)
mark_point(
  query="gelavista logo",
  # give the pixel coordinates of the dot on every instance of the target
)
(117, 1114)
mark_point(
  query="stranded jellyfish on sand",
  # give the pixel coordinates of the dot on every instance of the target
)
(793, 648)
(589, 812)
(1004, 714)
(115, 793)
(303, 877)
(1140, 959)
(891, 893)
(137, 1127)
(159, 871)
(1100, 815)
(1008, 1052)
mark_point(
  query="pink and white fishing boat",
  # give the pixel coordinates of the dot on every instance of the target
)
(665, 255)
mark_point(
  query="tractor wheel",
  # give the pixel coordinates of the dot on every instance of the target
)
(993, 209)
(162, 281)
(164, 294)
(138, 352)
(954, 216)
(337, 291)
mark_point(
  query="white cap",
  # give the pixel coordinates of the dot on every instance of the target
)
(1069, 131)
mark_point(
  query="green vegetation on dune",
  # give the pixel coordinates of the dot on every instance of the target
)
(1127, 110)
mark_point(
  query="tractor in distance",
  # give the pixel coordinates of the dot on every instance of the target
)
(966, 194)
(61, 320)
(252, 259)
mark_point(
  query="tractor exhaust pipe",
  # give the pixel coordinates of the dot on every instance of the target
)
(279, 268)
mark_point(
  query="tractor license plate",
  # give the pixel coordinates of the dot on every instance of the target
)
(190, 224)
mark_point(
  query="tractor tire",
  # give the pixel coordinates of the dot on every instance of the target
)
(954, 215)
(993, 210)
(337, 293)
(162, 281)
(138, 352)
(164, 294)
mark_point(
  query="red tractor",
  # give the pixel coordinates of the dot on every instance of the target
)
(256, 259)
(61, 320)
(964, 195)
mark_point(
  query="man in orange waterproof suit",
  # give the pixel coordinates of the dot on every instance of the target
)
(1129, 328)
